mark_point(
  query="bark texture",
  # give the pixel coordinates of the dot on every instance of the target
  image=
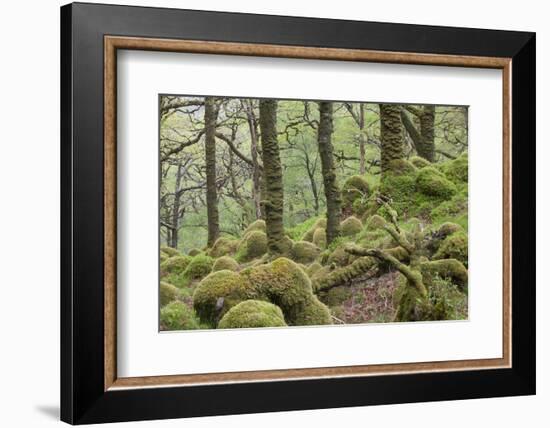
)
(273, 178)
(390, 134)
(332, 191)
(213, 218)
(423, 139)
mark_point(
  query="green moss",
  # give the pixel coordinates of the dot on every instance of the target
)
(456, 170)
(198, 267)
(168, 293)
(455, 246)
(225, 263)
(304, 252)
(400, 188)
(351, 226)
(178, 316)
(328, 278)
(174, 265)
(448, 228)
(313, 268)
(223, 247)
(339, 257)
(336, 295)
(194, 252)
(311, 312)
(432, 182)
(258, 225)
(375, 222)
(401, 167)
(451, 210)
(419, 162)
(399, 253)
(319, 224)
(253, 314)
(320, 238)
(449, 269)
(219, 292)
(253, 245)
(411, 306)
(171, 252)
(355, 192)
(163, 257)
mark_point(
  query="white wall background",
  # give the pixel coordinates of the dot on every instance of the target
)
(29, 218)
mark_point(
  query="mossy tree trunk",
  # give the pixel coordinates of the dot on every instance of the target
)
(391, 137)
(423, 139)
(332, 191)
(273, 177)
(359, 118)
(210, 118)
(256, 173)
(176, 212)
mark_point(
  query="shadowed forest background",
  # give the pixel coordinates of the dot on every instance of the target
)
(286, 212)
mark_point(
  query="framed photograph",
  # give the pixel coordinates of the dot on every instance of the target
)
(266, 213)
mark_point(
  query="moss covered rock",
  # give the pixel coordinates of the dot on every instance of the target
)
(258, 225)
(419, 162)
(253, 314)
(320, 238)
(432, 182)
(219, 292)
(171, 252)
(313, 268)
(336, 295)
(198, 267)
(319, 224)
(225, 263)
(375, 222)
(311, 312)
(401, 167)
(175, 265)
(355, 192)
(454, 246)
(456, 170)
(194, 252)
(449, 269)
(168, 293)
(304, 252)
(351, 226)
(178, 316)
(253, 245)
(223, 247)
(339, 257)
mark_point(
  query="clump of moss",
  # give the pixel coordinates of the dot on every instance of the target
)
(312, 312)
(432, 182)
(168, 293)
(339, 257)
(304, 252)
(258, 225)
(375, 222)
(452, 209)
(454, 246)
(351, 226)
(401, 167)
(225, 263)
(319, 224)
(448, 228)
(398, 185)
(178, 316)
(335, 296)
(163, 257)
(456, 170)
(219, 292)
(253, 245)
(175, 265)
(410, 304)
(198, 267)
(171, 252)
(320, 238)
(355, 192)
(253, 314)
(223, 247)
(450, 269)
(419, 162)
(194, 252)
(313, 268)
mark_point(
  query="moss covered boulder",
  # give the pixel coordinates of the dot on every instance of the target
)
(339, 257)
(194, 252)
(449, 269)
(178, 316)
(432, 182)
(175, 265)
(253, 314)
(258, 225)
(355, 192)
(253, 245)
(319, 224)
(313, 268)
(168, 293)
(171, 252)
(320, 238)
(456, 170)
(311, 312)
(335, 296)
(351, 226)
(223, 247)
(401, 167)
(304, 252)
(199, 267)
(419, 162)
(225, 263)
(219, 292)
(454, 246)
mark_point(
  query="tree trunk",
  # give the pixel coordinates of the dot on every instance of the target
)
(273, 178)
(332, 191)
(176, 210)
(361, 125)
(423, 140)
(210, 118)
(390, 135)
(256, 177)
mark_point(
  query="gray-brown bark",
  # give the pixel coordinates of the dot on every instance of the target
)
(423, 139)
(391, 138)
(256, 175)
(176, 210)
(273, 199)
(210, 118)
(332, 191)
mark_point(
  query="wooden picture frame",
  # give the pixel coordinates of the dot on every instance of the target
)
(91, 390)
